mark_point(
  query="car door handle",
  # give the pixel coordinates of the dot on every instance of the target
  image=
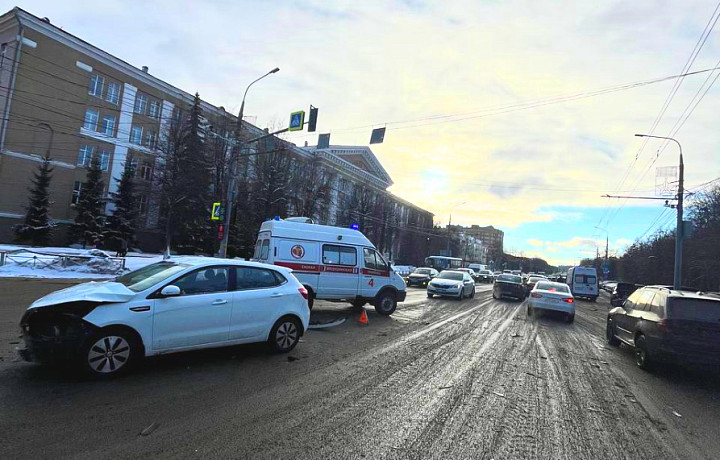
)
(277, 294)
(220, 302)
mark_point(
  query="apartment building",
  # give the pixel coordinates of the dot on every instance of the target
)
(491, 237)
(67, 99)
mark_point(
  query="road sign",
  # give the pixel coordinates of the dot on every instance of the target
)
(377, 136)
(297, 120)
(606, 271)
(218, 212)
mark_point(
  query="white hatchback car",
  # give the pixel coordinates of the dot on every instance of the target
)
(184, 303)
(551, 296)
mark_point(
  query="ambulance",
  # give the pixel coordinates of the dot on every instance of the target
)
(333, 263)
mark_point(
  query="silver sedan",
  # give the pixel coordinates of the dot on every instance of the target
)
(551, 296)
(452, 283)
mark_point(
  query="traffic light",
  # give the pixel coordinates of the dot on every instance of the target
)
(312, 122)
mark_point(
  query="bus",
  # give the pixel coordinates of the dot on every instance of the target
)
(441, 263)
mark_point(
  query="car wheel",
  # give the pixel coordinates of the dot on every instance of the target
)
(358, 304)
(461, 295)
(472, 293)
(494, 296)
(285, 334)
(642, 358)
(430, 296)
(385, 304)
(610, 334)
(570, 317)
(529, 310)
(311, 300)
(109, 353)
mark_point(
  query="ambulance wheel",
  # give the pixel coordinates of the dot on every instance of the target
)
(385, 303)
(311, 297)
(358, 304)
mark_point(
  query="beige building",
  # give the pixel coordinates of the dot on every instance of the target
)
(63, 97)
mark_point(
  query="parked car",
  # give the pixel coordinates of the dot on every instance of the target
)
(333, 263)
(551, 296)
(530, 283)
(667, 325)
(508, 285)
(623, 290)
(185, 303)
(485, 276)
(452, 283)
(421, 276)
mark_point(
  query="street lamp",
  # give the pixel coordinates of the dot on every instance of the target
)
(230, 197)
(677, 279)
(450, 222)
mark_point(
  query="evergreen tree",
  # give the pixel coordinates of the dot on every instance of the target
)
(194, 232)
(37, 228)
(88, 224)
(122, 223)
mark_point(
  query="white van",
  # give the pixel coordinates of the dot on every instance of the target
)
(333, 263)
(583, 282)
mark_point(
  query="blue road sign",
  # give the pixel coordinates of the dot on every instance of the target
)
(297, 120)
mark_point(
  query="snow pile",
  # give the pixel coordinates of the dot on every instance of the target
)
(53, 262)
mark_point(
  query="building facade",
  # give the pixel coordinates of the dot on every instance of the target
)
(67, 99)
(491, 238)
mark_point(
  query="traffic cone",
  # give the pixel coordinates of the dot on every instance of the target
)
(363, 317)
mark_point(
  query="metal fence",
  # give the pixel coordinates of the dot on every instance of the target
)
(40, 260)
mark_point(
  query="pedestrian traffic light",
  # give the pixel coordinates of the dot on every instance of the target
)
(312, 122)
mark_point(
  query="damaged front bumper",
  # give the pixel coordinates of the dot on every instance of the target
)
(55, 333)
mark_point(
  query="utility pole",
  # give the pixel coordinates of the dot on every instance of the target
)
(677, 278)
(230, 196)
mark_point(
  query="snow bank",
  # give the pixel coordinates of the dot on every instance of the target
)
(63, 262)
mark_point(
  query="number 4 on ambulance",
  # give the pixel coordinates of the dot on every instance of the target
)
(371, 283)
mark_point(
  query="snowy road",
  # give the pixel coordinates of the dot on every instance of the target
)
(439, 379)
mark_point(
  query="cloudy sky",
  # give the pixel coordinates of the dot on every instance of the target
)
(486, 102)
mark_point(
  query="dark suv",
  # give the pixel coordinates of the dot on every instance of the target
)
(663, 324)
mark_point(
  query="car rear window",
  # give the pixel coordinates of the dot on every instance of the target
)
(552, 287)
(510, 278)
(694, 309)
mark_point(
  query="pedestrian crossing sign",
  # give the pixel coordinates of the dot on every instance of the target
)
(297, 121)
(218, 212)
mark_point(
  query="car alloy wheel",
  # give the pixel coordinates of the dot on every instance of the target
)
(286, 335)
(109, 354)
(641, 353)
(610, 335)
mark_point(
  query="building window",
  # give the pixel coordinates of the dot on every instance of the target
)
(77, 188)
(154, 109)
(96, 85)
(136, 135)
(150, 139)
(108, 125)
(104, 159)
(134, 166)
(146, 170)
(85, 155)
(143, 204)
(91, 119)
(113, 93)
(141, 103)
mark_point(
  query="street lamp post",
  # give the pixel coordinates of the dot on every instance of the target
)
(230, 196)
(449, 234)
(677, 278)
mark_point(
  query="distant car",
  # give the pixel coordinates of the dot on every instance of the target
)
(452, 283)
(485, 276)
(530, 283)
(508, 285)
(623, 290)
(403, 270)
(551, 296)
(469, 271)
(421, 276)
(664, 324)
(185, 303)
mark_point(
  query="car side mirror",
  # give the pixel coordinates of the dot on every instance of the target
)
(170, 291)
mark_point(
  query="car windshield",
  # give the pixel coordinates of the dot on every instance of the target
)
(148, 276)
(422, 271)
(535, 279)
(552, 287)
(694, 309)
(510, 278)
(448, 275)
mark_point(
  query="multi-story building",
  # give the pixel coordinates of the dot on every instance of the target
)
(491, 238)
(67, 99)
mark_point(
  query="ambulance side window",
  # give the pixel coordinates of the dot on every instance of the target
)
(339, 255)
